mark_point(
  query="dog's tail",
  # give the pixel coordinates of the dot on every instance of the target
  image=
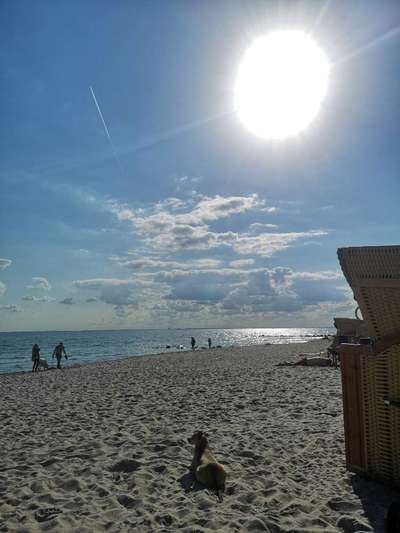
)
(219, 480)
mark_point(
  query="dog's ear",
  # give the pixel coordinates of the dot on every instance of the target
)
(203, 440)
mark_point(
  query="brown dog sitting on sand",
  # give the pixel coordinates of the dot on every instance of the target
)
(205, 467)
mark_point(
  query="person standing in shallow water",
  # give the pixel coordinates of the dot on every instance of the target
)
(209, 343)
(35, 357)
(57, 353)
(193, 343)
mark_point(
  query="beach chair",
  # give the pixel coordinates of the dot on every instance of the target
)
(371, 369)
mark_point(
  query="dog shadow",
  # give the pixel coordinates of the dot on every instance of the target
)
(190, 484)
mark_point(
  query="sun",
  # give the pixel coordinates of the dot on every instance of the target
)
(281, 83)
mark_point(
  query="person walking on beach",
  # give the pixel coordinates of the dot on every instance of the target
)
(35, 357)
(209, 343)
(193, 343)
(57, 353)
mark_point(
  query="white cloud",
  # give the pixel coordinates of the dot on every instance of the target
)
(40, 283)
(5, 263)
(186, 183)
(3, 288)
(171, 203)
(207, 209)
(240, 263)
(163, 230)
(266, 244)
(258, 226)
(324, 274)
(149, 262)
(39, 299)
(253, 291)
(99, 283)
(121, 211)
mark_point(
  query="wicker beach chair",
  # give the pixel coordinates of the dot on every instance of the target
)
(371, 372)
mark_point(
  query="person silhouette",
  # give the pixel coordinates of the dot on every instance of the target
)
(209, 342)
(57, 353)
(35, 357)
(193, 343)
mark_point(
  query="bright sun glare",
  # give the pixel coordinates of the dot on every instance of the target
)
(281, 83)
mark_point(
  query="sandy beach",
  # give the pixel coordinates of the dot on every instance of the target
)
(105, 446)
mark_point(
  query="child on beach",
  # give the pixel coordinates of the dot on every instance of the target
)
(58, 351)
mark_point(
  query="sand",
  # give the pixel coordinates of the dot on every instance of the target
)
(105, 446)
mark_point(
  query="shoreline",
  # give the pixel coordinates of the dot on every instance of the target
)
(105, 444)
(309, 339)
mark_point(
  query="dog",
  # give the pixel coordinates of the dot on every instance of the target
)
(43, 364)
(205, 468)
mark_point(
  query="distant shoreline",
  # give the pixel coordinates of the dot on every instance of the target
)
(161, 329)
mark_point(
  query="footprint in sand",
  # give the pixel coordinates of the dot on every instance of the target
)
(46, 514)
(126, 465)
(127, 501)
(343, 506)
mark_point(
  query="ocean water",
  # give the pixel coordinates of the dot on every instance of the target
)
(89, 346)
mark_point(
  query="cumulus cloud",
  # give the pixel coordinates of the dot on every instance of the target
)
(11, 308)
(67, 301)
(222, 207)
(162, 228)
(39, 283)
(3, 288)
(173, 229)
(113, 291)
(253, 291)
(282, 290)
(206, 209)
(4, 263)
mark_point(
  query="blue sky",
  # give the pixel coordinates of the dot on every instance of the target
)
(191, 220)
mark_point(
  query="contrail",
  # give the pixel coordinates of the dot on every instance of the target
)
(106, 130)
(321, 14)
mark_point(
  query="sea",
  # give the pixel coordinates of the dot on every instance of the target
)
(89, 346)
